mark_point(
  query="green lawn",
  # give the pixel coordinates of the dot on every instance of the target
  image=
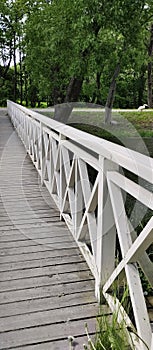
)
(142, 121)
(132, 129)
(126, 123)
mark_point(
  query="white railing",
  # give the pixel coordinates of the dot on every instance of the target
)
(85, 175)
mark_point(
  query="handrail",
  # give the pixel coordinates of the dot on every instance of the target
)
(125, 157)
(85, 176)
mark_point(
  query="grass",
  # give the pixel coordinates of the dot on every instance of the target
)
(131, 129)
(128, 124)
(110, 336)
(134, 124)
(142, 121)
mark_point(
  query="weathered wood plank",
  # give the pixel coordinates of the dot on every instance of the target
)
(42, 271)
(38, 254)
(47, 303)
(35, 241)
(20, 206)
(59, 345)
(32, 225)
(24, 236)
(59, 290)
(50, 279)
(45, 333)
(45, 227)
(21, 216)
(37, 248)
(43, 211)
(47, 317)
(43, 262)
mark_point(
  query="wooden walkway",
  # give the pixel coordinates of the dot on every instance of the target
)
(46, 288)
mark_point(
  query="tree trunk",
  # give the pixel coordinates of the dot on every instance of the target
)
(150, 84)
(111, 96)
(141, 86)
(21, 73)
(98, 83)
(25, 86)
(98, 76)
(150, 70)
(15, 67)
(4, 69)
(73, 90)
(63, 111)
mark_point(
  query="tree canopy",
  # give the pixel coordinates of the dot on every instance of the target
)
(93, 51)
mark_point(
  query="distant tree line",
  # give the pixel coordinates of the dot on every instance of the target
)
(80, 50)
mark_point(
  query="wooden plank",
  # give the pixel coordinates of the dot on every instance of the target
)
(33, 231)
(28, 223)
(63, 344)
(18, 207)
(41, 210)
(18, 236)
(21, 204)
(31, 220)
(8, 236)
(47, 303)
(43, 262)
(45, 333)
(59, 290)
(35, 241)
(22, 197)
(42, 271)
(46, 227)
(32, 225)
(50, 279)
(20, 200)
(48, 317)
(38, 248)
(28, 214)
(38, 254)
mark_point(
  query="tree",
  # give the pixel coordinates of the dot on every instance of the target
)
(128, 23)
(69, 49)
(11, 39)
(150, 68)
(6, 42)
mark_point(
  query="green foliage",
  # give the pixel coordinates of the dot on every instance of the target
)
(110, 334)
(83, 39)
(8, 89)
(142, 121)
(147, 288)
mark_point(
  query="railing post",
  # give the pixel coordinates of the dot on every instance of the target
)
(106, 231)
(42, 153)
(78, 200)
(61, 140)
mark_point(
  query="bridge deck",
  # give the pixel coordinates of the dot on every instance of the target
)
(46, 288)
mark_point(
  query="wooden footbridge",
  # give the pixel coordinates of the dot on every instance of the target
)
(58, 228)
